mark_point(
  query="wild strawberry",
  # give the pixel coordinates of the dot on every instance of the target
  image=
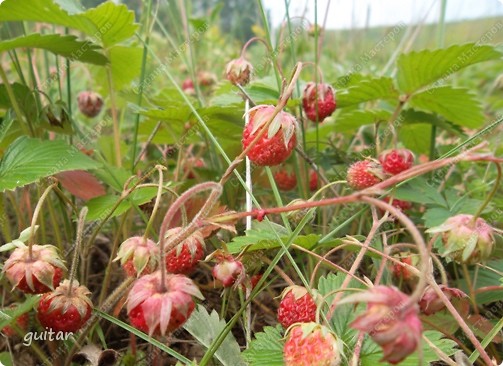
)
(285, 181)
(395, 161)
(395, 328)
(364, 174)
(206, 78)
(466, 239)
(313, 180)
(311, 344)
(65, 310)
(188, 87)
(90, 103)
(296, 306)
(402, 272)
(228, 271)
(401, 205)
(156, 309)
(191, 166)
(318, 101)
(22, 322)
(37, 274)
(430, 302)
(276, 145)
(186, 255)
(138, 256)
(254, 280)
(238, 71)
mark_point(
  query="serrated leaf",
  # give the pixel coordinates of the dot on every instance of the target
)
(266, 349)
(99, 207)
(419, 190)
(414, 137)
(262, 237)
(126, 65)
(456, 105)
(418, 69)
(206, 327)
(349, 122)
(67, 46)
(28, 160)
(411, 116)
(109, 22)
(446, 345)
(367, 90)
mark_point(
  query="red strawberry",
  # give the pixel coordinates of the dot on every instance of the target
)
(311, 344)
(138, 256)
(186, 255)
(238, 71)
(401, 205)
(65, 310)
(276, 145)
(319, 99)
(156, 311)
(37, 274)
(22, 322)
(296, 306)
(403, 272)
(364, 174)
(285, 181)
(90, 103)
(228, 270)
(206, 78)
(188, 87)
(395, 161)
(313, 180)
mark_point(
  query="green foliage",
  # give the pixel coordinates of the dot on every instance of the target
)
(266, 349)
(28, 160)
(367, 90)
(457, 105)
(419, 69)
(349, 122)
(66, 46)
(205, 327)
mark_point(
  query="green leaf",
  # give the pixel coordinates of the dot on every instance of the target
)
(115, 23)
(99, 207)
(416, 137)
(28, 160)
(456, 105)
(485, 278)
(206, 327)
(419, 190)
(350, 122)
(367, 90)
(23, 94)
(419, 69)
(110, 23)
(260, 237)
(266, 349)
(6, 359)
(126, 65)
(67, 46)
(411, 116)
(446, 345)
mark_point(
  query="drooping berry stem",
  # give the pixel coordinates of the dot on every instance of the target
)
(35, 217)
(76, 249)
(318, 70)
(491, 194)
(160, 169)
(250, 41)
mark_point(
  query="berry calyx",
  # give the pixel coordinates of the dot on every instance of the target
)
(318, 101)
(309, 344)
(238, 71)
(296, 306)
(65, 310)
(90, 103)
(430, 303)
(37, 274)
(186, 255)
(395, 161)
(364, 174)
(157, 312)
(274, 146)
(138, 256)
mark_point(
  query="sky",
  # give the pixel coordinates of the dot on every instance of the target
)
(348, 14)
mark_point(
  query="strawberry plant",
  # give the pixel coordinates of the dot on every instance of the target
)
(178, 191)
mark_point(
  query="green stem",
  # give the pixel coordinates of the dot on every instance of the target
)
(488, 339)
(491, 195)
(116, 127)
(35, 217)
(76, 250)
(140, 91)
